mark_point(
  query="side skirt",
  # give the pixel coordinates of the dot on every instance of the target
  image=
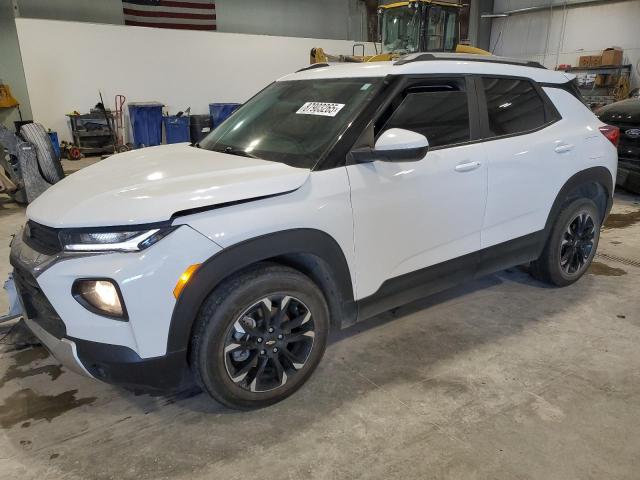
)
(442, 276)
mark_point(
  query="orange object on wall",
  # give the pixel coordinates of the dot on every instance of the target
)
(6, 99)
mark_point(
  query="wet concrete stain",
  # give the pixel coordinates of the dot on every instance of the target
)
(622, 220)
(53, 456)
(13, 372)
(26, 405)
(599, 268)
(5, 212)
(24, 358)
(9, 207)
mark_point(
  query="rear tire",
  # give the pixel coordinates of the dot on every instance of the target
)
(571, 246)
(259, 337)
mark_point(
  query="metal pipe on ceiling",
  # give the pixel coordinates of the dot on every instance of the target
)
(551, 5)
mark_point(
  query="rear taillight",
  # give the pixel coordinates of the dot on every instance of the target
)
(612, 133)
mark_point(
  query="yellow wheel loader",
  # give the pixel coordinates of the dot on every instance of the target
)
(409, 27)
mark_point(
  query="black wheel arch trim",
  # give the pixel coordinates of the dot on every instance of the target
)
(571, 188)
(285, 244)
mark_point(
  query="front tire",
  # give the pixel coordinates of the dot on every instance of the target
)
(259, 337)
(571, 246)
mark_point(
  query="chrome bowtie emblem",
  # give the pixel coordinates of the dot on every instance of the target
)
(633, 133)
(270, 342)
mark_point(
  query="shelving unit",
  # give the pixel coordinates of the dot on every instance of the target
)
(600, 95)
(91, 132)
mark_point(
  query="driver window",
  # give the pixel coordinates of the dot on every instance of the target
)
(439, 110)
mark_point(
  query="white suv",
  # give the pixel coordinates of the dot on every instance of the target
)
(336, 193)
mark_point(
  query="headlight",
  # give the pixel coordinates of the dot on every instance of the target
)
(101, 296)
(115, 241)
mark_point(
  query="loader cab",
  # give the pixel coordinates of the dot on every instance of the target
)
(418, 26)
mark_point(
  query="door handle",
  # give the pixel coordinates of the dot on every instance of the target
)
(467, 167)
(564, 147)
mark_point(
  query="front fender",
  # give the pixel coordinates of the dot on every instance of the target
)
(273, 246)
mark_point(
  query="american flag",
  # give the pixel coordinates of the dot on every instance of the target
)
(182, 14)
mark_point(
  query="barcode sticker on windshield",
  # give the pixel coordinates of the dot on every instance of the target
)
(320, 108)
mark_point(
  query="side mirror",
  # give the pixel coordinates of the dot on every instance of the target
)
(394, 145)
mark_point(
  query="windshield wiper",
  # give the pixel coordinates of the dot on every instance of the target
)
(236, 151)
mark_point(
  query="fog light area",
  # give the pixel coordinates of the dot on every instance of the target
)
(99, 296)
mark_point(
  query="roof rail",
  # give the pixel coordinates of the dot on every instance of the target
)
(425, 57)
(311, 67)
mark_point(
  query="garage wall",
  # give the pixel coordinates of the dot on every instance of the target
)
(11, 71)
(338, 19)
(178, 68)
(97, 11)
(562, 35)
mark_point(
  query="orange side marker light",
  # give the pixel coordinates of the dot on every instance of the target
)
(184, 279)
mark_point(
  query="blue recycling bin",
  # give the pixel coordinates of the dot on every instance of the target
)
(176, 129)
(146, 123)
(220, 111)
(55, 142)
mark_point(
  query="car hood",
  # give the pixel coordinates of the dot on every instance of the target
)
(151, 184)
(626, 111)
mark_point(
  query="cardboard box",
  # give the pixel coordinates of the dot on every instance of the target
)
(595, 60)
(590, 61)
(612, 56)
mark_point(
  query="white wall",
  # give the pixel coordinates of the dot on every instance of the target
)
(561, 36)
(178, 68)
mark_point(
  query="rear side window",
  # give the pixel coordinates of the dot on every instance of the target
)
(440, 112)
(513, 106)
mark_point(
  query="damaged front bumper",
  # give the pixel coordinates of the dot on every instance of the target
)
(15, 307)
(63, 349)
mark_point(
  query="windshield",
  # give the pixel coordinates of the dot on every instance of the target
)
(400, 29)
(293, 122)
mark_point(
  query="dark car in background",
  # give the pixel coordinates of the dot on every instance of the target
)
(626, 116)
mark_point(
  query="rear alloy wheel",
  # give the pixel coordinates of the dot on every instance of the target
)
(571, 245)
(269, 343)
(577, 244)
(259, 336)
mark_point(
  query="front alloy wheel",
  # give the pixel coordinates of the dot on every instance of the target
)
(269, 343)
(259, 336)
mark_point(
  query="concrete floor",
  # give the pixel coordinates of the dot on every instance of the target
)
(502, 378)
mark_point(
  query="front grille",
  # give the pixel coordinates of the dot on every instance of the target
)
(628, 148)
(36, 305)
(42, 239)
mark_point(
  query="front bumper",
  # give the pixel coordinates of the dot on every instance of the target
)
(130, 353)
(113, 364)
(63, 349)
